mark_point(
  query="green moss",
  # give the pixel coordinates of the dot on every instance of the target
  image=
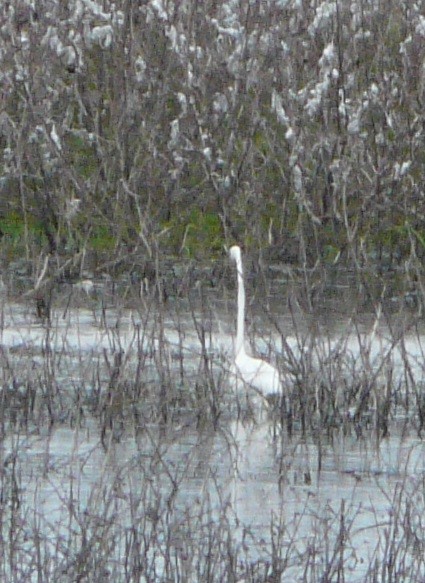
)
(12, 226)
(15, 235)
(83, 157)
(102, 239)
(199, 234)
(391, 135)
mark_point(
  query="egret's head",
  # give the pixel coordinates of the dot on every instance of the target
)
(235, 253)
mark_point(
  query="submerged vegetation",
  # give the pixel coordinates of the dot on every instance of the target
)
(127, 455)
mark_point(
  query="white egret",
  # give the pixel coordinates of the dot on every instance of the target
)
(253, 372)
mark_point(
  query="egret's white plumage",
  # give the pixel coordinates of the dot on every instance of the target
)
(254, 372)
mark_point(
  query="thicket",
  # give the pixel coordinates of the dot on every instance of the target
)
(134, 130)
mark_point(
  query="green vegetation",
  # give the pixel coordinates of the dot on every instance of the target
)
(12, 227)
(14, 230)
(102, 240)
(199, 235)
(81, 156)
(181, 140)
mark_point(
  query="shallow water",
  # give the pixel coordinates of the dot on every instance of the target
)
(362, 479)
(241, 472)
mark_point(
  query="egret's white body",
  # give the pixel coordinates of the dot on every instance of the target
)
(253, 372)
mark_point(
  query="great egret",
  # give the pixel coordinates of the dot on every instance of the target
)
(253, 372)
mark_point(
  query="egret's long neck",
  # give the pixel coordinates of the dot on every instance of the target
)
(240, 329)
